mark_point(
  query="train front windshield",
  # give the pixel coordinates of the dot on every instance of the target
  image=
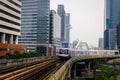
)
(64, 51)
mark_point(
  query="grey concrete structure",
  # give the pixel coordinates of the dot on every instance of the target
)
(10, 21)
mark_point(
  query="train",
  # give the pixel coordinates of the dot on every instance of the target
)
(66, 53)
(93, 52)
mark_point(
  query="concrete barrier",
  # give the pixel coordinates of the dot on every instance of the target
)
(62, 72)
(15, 62)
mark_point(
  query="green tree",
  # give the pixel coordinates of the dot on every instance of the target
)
(8, 55)
(25, 55)
(33, 54)
(16, 55)
(104, 72)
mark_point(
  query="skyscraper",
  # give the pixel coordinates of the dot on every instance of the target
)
(61, 12)
(112, 19)
(35, 25)
(118, 36)
(68, 27)
(112, 13)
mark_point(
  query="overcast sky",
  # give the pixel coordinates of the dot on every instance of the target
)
(87, 18)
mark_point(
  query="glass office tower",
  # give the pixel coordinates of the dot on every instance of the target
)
(68, 27)
(112, 19)
(35, 25)
(61, 12)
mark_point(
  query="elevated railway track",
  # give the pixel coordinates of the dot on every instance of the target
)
(37, 71)
(6, 69)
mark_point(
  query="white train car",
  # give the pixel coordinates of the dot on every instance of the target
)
(92, 52)
(78, 52)
(103, 52)
(64, 54)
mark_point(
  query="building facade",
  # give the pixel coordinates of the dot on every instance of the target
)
(112, 19)
(110, 41)
(10, 14)
(10, 21)
(68, 27)
(61, 12)
(35, 25)
(100, 45)
(55, 31)
(112, 13)
(118, 36)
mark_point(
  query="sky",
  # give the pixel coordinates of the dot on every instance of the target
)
(87, 19)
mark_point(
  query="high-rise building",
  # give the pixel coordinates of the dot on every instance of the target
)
(100, 45)
(55, 31)
(112, 19)
(10, 21)
(112, 13)
(61, 12)
(35, 25)
(68, 27)
(118, 36)
(110, 39)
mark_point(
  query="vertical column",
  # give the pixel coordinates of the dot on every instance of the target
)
(0, 37)
(11, 39)
(89, 66)
(3, 38)
(47, 52)
(69, 75)
(75, 71)
(16, 40)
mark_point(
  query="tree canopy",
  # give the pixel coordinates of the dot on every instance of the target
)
(104, 72)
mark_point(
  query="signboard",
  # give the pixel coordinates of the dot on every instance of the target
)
(65, 45)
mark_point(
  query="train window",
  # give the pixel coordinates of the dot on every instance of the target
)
(116, 53)
(63, 51)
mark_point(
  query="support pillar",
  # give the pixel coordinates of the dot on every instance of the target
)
(16, 39)
(3, 38)
(89, 66)
(69, 75)
(11, 39)
(75, 71)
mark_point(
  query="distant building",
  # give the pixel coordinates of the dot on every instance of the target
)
(61, 12)
(10, 14)
(100, 45)
(55, 31)
(118, 36)
(110, 39)
(35, 25)
(112, 19)
(68, 27)
(112, 16)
